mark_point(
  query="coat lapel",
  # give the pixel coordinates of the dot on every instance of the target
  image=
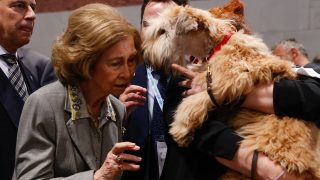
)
(79, 131)
(172, 99)
(10, 99)
(30, 80)
(137, 125)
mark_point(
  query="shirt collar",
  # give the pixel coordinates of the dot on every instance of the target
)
(3, 51)
(78, 105)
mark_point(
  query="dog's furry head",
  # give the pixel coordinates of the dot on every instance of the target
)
(181, 31)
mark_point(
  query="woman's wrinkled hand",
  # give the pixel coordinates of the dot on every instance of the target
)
(117, 161)
(132, 97)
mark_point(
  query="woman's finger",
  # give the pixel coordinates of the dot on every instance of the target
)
(135, 89)
(129, 167)
(120, 147)
(128, 158)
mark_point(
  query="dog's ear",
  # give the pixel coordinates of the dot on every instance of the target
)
(233, 10)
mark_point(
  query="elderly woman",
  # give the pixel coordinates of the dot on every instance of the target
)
(71, 128)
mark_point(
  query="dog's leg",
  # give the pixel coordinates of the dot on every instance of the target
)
(287, 141)
(190, 115)
(230, 82)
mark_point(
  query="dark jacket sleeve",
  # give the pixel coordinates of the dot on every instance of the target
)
(197, 161)
(298, 98)
(216, 138)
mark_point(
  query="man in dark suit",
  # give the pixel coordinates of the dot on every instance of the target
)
(16, 26)
(140, 125)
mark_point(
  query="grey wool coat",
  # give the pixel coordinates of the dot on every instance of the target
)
(50, 144)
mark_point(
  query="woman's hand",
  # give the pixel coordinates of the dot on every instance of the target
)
(132, 97)
(190, 82)
(118, 161)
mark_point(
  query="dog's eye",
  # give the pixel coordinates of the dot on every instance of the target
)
(162, 31)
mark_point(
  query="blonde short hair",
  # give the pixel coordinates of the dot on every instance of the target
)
(91, 30)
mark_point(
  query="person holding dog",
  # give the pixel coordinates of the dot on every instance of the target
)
(208, 138)
(187, 163)
(72, 129)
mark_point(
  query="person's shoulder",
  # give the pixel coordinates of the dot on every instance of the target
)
(48, 90)
(314, 65)
(29, 55)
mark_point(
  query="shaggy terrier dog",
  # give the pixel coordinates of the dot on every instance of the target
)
(237, 62)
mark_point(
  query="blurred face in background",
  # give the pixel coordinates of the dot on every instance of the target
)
(152, 10)
(282, 53)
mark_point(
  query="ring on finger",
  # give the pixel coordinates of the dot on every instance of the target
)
(118, 159)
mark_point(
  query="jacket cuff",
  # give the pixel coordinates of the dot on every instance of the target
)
(217, 139)
(286, 99)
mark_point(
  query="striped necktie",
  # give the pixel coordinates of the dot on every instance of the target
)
(15, 76)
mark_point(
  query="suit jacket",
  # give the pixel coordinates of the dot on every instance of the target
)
(37, 71)
(299, 98)
(51, 144)
(138, 131)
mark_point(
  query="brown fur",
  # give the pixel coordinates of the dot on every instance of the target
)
(243, 62)
(233, 10)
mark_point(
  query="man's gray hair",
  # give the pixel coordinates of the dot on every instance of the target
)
(290, 43)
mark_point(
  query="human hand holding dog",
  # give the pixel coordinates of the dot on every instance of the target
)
(190, 82)
(132, 97)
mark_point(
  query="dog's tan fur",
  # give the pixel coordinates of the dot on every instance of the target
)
(243, 62)
(234, 10)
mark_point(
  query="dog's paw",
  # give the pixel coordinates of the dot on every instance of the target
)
(190, 115)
